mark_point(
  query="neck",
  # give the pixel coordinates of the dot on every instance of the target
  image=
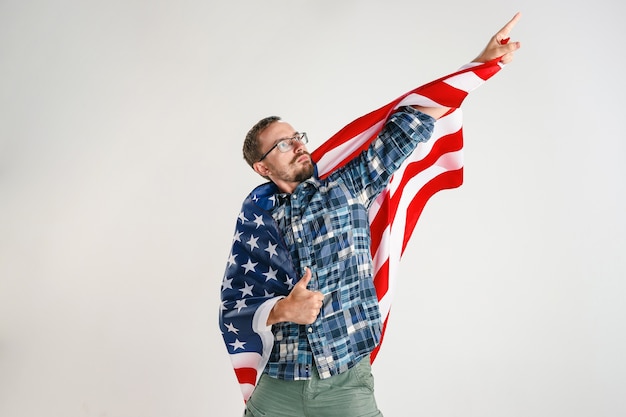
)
(286, 186)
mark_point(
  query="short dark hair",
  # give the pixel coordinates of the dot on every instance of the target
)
(251, 151)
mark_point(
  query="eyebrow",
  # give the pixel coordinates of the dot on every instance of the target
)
(288, 137)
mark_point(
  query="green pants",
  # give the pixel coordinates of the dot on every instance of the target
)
(350, 394)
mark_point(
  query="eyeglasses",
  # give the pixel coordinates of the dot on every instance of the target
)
(285, 145)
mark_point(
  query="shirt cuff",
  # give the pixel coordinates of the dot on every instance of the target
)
(259, 322)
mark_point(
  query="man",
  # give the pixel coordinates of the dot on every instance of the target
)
(320, 328)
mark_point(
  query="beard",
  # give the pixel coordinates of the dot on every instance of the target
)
(297, 171)
(304, 172)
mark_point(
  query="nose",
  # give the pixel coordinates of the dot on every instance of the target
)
(298, 146)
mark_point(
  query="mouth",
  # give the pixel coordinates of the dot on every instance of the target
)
(303, 158)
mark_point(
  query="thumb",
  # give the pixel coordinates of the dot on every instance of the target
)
(304, 281)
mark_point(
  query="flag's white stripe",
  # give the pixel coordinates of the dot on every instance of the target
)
(375, 206)
(450, 161)
(328, 162)
(414, 99)
(245, 359)
(466, 81)
(246, 390)
(260, 327)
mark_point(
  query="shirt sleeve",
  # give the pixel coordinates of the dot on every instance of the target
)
(369, 173)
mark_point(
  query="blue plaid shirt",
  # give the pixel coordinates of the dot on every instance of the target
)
(325, 226)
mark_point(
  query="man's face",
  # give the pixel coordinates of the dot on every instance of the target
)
(285, 169)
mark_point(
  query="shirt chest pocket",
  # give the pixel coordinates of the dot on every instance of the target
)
(332, 235)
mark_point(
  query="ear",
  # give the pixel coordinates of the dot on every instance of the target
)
(261, 169)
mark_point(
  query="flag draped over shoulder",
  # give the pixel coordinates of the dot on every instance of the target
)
(259, 269)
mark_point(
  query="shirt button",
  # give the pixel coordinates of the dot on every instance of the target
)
(310, 329)
(299, 240)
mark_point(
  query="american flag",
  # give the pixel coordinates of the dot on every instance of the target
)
(259, 268)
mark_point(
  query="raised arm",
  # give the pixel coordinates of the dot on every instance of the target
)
(498, 46)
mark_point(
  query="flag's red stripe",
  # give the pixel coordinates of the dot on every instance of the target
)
(379, 223)
(246, 375)
(446, 144)
(488, 69)
(445, 180)
(444, 94)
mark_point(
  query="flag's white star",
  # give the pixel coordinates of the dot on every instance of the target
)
(242, 217)
(269, 294)
(252, 242)
(237, 237)
(231, 328)
(271, 249)
(237, 344)
(271, 274)
(227, 283)
(231, 259)
(249, 266)
(289, 282)
(246, 290)
(273, 200)
(239, 304)
(255, 198)
(222, 306)
(258, 220)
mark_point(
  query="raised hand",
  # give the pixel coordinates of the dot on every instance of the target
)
(499, 45)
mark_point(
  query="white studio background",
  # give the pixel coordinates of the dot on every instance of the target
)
(121, 176)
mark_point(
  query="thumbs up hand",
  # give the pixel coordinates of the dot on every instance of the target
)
(301, 306)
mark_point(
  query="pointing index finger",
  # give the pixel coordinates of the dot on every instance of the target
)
(504, 32)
